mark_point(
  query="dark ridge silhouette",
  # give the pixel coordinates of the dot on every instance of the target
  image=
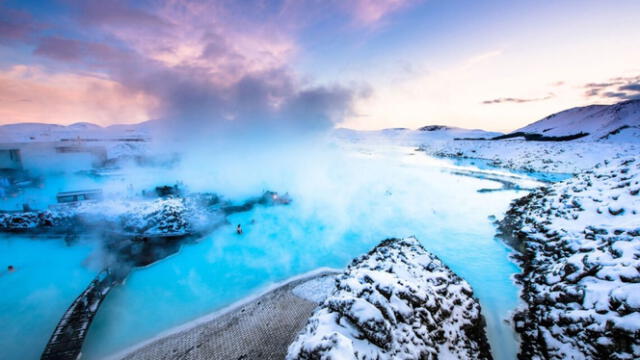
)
(539, 137)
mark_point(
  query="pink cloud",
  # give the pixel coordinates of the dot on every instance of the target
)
(29, 94)
(369, 12)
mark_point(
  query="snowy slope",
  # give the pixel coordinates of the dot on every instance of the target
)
(618, 122)
(543, 156)
(396, 302)
(580, 243)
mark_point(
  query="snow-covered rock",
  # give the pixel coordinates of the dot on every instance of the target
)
(142, 217)
(618, 122)
(580, 255)
(396, 302)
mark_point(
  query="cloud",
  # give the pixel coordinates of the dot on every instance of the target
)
(72, 50)
(369, 12)
(516, 100)
(622, 87)
(119, 13)
(15, 25)
(30, 94)
(600, 85)
(212, 68)
(612, 94)
(631, 87)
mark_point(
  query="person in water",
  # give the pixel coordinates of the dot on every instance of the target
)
(10, 268)
(239, 229)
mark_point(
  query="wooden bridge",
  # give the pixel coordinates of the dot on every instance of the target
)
(68, 337)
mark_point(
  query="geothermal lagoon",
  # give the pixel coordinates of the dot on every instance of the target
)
(343, 204)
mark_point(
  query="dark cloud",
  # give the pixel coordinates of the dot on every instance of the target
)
(516, 100)
(624, 88)
(630, 87)
(600, 85)
(16, 25)
(611, 94)
(592, 92)
(118, 13)
(91, 54)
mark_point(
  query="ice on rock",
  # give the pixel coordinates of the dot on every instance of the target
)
(396, 302)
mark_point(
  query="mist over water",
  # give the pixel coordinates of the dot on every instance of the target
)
(346, 199)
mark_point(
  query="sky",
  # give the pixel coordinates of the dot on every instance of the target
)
(314, 64)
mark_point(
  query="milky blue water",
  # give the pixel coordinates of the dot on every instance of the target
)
(48, 276)
(340, 210)
(485, 164)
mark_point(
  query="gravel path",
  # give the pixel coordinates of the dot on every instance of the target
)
(260, 329)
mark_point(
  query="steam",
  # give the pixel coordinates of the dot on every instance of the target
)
(260, 107)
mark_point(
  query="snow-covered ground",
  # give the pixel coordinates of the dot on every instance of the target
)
(580, 242)
(396, 302)
(539, 156)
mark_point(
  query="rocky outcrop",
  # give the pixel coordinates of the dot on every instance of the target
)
(166, 215)
(142, 217)
(396, 302)
(580, 255)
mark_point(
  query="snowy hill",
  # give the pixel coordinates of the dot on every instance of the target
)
(618, 122)
(403, 136)
(396, 302)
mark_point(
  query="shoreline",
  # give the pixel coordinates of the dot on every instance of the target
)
(230, 310)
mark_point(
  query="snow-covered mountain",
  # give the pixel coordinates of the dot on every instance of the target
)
(618, 122)
(430, 133)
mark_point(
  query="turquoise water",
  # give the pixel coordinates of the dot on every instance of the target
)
(47, 278)
(485, 164)
(341, 209)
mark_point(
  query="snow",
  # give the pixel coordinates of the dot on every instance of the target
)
(612, 123)
(581, 255)
(396, 302)
(535, 156)
(146, 217)
(315, 290)
(408, 137)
